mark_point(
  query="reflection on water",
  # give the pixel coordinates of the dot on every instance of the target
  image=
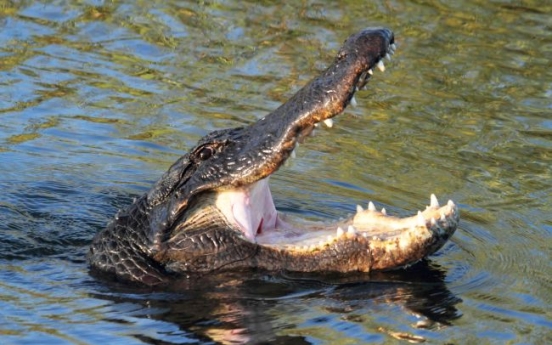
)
(261, 307)
(98, 98)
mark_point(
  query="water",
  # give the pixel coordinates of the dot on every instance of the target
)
(98, 98)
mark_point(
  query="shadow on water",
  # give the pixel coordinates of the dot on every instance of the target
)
(249, 308)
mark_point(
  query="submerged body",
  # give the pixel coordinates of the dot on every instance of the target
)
(213, 210)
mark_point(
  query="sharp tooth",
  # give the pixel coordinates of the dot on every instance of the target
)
(351, 230)
(370, 72)
(388, 57)
(380, 66)
(421, 219)
(433, 201)
(393, 46)
(384, 212)
(359, 209)
(443, 216)
(353, 101)
(339, 232)
(329, 123)
(293, 155)
(316, 125)
(371, 206)
(451, 204)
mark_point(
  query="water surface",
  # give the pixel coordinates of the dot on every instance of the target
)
(98, 98)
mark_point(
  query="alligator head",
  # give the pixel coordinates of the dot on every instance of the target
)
(213, 210)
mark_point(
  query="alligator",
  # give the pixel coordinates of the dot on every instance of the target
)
(213, 211)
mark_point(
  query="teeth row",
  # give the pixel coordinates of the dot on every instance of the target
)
(352, 232)
(433, 203)
(363, 77)
(329, 122)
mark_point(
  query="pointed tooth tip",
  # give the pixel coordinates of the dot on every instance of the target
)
(384, 212)
(370, 72)
(359, 209)
(371, 206)
(393, 46)
(353, 101)
(421, 219)
(339, 231)
(329, 123)
(451, 204)
(380, 66)
(388, 56)
(351, 229)
(433, 201)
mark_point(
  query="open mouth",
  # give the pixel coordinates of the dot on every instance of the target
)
(213, 209)
(251, 211)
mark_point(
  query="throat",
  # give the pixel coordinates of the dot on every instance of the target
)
(249, 209)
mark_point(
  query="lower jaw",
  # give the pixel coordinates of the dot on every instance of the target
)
(369, 240)
(356, 244)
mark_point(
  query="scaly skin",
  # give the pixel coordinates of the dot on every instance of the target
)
(212, 209)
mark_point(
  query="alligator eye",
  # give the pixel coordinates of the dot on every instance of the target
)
(205, 153)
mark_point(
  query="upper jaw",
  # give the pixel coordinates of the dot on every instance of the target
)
(323, 98)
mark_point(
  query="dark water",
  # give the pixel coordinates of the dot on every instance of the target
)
(98, 98)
